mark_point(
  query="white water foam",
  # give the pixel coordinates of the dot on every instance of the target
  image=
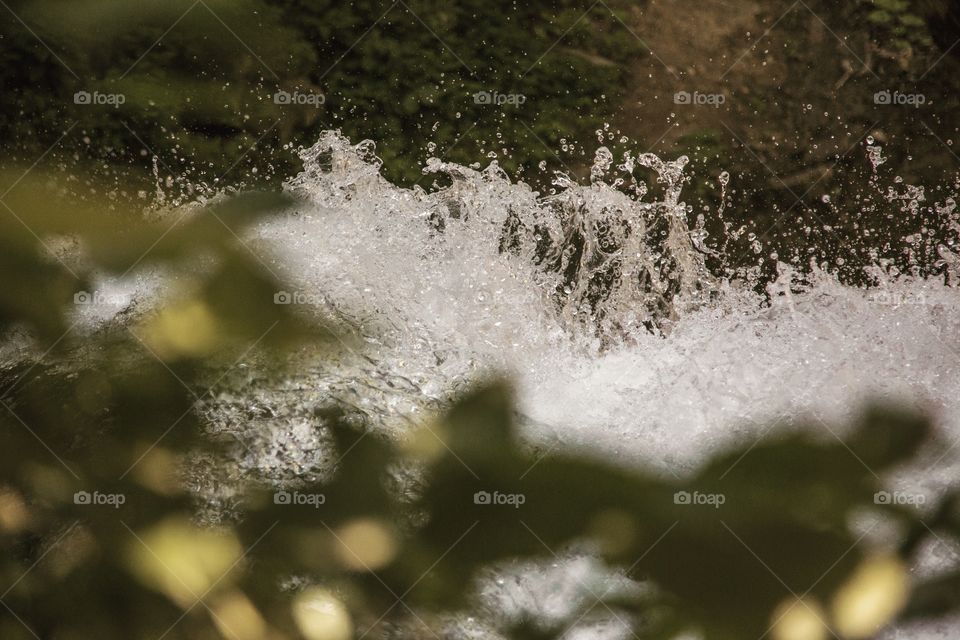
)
(616, 334)
(600, 307)
(598, 304)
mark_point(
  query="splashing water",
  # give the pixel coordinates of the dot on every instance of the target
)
(590, 256)
(600, 305)
(598, 302)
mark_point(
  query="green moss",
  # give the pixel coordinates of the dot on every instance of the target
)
(897, 22)
(910, 20)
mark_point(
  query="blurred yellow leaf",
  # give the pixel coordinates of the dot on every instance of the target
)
(366, 545)
(14, 516)
(320, 615)
(871, 598)
(236, 618)
(182, 560)
(186, 330)
(157, 469)
(799, 619)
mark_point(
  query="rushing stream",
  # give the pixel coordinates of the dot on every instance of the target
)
(600, 306)
(597, 301)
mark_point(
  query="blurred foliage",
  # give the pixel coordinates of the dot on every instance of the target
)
(900, 22)
(196, 83)
(98, 430)
(99, 531)
(428, 59)
(182, 102)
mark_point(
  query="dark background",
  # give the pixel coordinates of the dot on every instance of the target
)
(798, 82)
